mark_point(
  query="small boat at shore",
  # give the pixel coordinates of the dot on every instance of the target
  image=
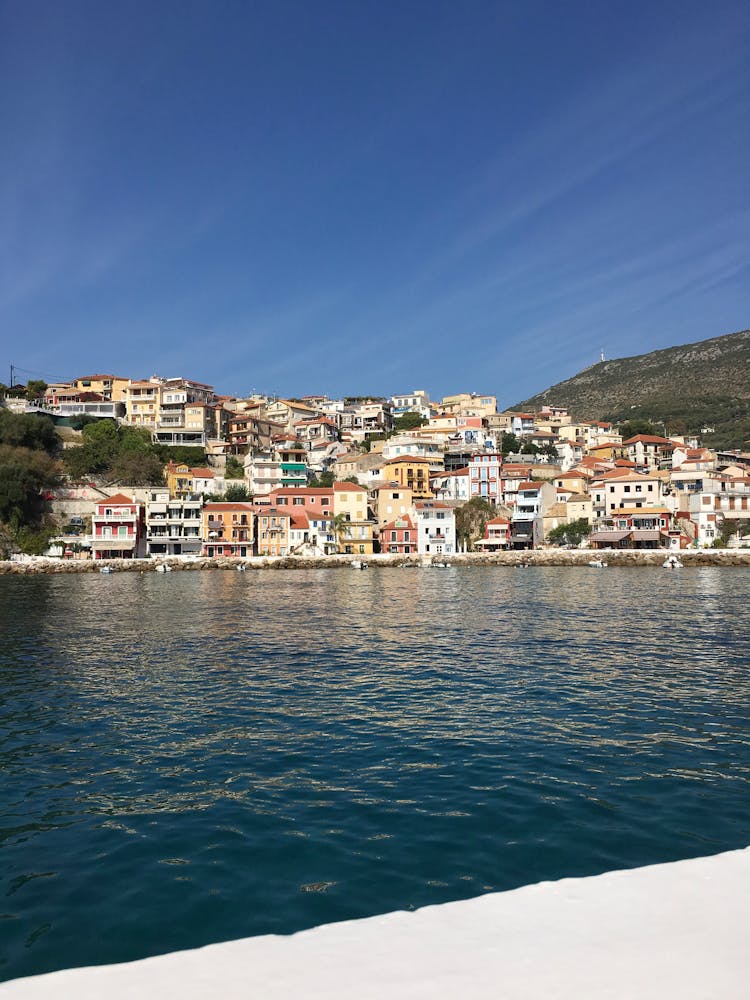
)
(672, 562)
(358, 564)
(163, 568)
(106, 569)
(597, 564)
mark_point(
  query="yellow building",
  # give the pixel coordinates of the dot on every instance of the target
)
(179, 480)
(410, 472)
(273, 529)
(470, 404)
(111, 387)
(350, 500)
(393, 501)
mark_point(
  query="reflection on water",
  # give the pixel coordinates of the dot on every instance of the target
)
(201, 756)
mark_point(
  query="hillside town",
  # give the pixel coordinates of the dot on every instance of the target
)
(406, 476)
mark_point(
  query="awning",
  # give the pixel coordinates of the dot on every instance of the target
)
(119, 544)
(609, 536)
(647, 534)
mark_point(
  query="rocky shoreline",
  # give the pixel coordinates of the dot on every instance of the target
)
(535, 557)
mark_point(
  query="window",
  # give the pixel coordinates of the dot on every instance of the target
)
(283, 501)
(298, 501)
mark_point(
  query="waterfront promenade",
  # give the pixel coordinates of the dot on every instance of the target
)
(533, 557)
(665, 931)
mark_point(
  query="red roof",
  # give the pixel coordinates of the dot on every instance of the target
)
(649, 439)
(119, 498)
(348, 487)
(399, 524)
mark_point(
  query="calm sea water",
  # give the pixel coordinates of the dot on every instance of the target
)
(193, 757)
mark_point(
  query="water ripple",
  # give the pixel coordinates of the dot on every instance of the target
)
(212, 755)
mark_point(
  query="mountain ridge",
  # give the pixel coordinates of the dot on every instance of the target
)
(683, 389)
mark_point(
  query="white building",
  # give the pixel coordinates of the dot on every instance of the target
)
(173, 527)
(436, 528)
(411, 402)
(452, 486)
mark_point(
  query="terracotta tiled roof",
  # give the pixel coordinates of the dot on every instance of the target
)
(117, 498)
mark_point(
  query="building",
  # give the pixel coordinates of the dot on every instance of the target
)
(177, 411)
(635, 528)
(117, 529)
(399, 537)
(274, 529)
(110, 387)
(469, 404)
(350, 507)
(228, 529)
(360, 421)
(485, 476)
(249, 433)
(649, 451)
(389, 501)
(410, 472)
(496, 535)
(621, 488)
(436, 528)
(411, 402)
(720, 500)
(533, 500)
(454, 486)
(173, 526)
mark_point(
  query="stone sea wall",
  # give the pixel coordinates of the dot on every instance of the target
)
(536, 557)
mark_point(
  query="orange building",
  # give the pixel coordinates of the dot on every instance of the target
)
(228, 529)
(410, 472)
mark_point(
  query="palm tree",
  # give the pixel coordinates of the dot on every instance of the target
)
(340, 525)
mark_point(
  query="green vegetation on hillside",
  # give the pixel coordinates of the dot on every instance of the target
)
(28, 470)
(471, 520)
(115, 453)
(699, 389)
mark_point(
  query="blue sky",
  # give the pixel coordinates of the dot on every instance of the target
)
(357, 197)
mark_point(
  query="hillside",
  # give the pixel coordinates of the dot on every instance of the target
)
(686, 389)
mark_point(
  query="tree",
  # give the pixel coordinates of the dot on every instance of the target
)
(728, 528)
(510, 444)
(570, 534)
(340, 525)
(35, 389)
(28, 430)
(236, 493)
(135, 468)
(25, 475)
(235, 469)
(550, 451)
(632, 428)
(408, 421)
(472, 518)
(323, 481)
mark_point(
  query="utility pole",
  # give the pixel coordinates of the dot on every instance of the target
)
(11, 376)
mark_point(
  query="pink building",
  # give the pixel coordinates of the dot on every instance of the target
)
(117, 529)
(399, 537)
